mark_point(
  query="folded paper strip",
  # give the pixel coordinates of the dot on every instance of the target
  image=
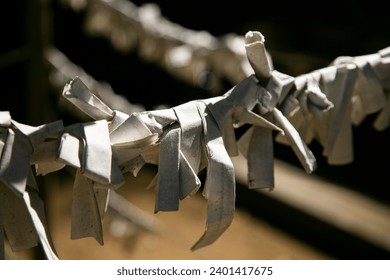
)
(186, 139)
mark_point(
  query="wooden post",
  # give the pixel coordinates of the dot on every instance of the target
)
(39, 110)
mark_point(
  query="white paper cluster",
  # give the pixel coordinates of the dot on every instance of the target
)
(184, 140)
(356, 87)
(196, 57)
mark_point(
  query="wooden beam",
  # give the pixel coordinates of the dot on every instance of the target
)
(336, 205)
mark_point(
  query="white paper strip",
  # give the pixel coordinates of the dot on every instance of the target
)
(167, 193)
(70, 150)
(86, 218)
(338, 147)
(15, 161)
(257, 54)
(77, 93)
(219, 187)
(260, 159)
(16, 220)
(36, 211)
(190, 147)
(97, 158)
(300, 148)
(45, 158)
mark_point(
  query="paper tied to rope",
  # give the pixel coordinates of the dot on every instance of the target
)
(319, 107)
(325, 103)
(372, 87)
(22, 214)
(200, 134)
(187, 138)
(173, 139)
(273, 92)
(353, 87)
(88, 148)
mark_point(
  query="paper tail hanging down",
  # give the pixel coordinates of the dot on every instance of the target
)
(184, 140)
